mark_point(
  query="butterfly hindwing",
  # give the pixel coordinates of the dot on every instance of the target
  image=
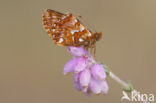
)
(65, 29)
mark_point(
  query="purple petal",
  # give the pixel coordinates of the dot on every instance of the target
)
(95, 87)
(76, 81)
(76, 77)
(98, 72)
(81, 64)
(84, 78)
(70, 66)
(104, 87)
(84, 89)
(91, 60)
(87, 94)
(77, 51)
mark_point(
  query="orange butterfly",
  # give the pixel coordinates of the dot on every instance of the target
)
(67, 30)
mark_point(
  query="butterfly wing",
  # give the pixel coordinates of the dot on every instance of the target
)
(65, 29)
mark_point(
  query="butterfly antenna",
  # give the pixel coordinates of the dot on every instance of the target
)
(86, 23)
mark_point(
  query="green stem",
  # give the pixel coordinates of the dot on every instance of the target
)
(126, 87)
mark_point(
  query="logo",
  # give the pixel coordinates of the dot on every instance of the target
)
(137, 96)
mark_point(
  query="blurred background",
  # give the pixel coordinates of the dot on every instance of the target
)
(31, 65)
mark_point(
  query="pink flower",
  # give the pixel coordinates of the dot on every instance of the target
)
(70, 66)
(84, 78)
(95, 87)
(76, 81)
(89, 76)
(98, 72)
(81, 64)
(104, 87)
(77, 51)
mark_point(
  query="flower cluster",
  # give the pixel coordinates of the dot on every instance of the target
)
(89, 76)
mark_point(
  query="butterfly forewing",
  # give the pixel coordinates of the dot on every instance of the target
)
(66, 29)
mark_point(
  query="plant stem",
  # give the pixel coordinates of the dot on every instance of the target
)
(122, 83)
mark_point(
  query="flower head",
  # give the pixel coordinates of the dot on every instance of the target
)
(89, 76)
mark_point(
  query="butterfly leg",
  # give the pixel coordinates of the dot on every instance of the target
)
(86, 49)
(91, 50)
(94, 47)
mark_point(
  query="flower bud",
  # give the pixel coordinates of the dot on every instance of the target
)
(104, 87)
(98, 72)
(77, 51)
(76, 81)
(81, 64)
(70, 66)
(84, 78)
(94, 86)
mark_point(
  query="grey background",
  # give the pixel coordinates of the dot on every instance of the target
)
(31, 65)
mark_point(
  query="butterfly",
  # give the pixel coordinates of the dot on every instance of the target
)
(67, 30)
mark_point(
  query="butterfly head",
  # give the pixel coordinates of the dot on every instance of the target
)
(97, 35)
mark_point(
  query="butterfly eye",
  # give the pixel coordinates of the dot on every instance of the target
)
(98, 36)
